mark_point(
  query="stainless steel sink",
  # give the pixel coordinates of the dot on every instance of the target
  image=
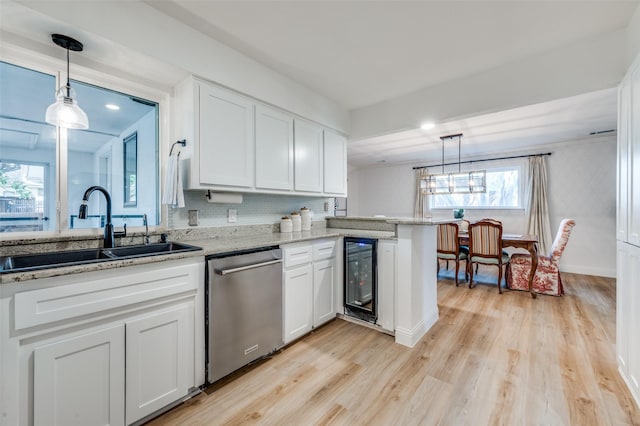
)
(148, 250)
(30, 262)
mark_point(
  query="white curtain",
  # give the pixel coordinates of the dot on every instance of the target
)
(537, 205)
(419, 206)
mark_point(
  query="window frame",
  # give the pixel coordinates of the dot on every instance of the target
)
(120, 82)
(502, 165)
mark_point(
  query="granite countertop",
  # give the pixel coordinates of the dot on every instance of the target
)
(226, 244)
(210, 246)
(396, 220)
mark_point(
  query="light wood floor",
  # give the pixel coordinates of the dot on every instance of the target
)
(490, 360)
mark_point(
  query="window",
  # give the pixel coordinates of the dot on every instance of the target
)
(42, 168)
(504, 191)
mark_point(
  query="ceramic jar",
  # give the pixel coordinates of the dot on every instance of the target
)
(305, 214)
(285, 224)
(296, 222)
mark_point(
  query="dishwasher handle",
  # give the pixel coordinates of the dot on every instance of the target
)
(228, 271)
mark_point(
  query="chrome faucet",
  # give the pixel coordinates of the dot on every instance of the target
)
(146, 229)
(109, 234)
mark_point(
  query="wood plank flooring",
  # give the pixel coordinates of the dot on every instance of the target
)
(490, 360)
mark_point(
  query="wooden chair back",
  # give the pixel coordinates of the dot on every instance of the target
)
(485, 240)
(448, 238)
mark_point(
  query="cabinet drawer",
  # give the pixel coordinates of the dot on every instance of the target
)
(297, 255)
(103, 290)
(324, 250)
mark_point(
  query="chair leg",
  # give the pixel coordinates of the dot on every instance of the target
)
(438, 263)
(471, 275)
(500, 278)
(457, 268)
(466, 271)
(447, 265)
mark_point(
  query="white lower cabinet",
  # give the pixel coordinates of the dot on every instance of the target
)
(101, 348)
(298, 302)
(310, 277)
(386, 284)
(324, 281)
(159, 360)
(80, 380)
(628, 316)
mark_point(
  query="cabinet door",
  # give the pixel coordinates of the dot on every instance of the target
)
(624, 125)
(324, 278)
(274, 149)
(335, 164)
(308, 157)
(386, 284)
(160, 360)
(624, 307)
(634, 156)
(298, 302)
(632, 267)
(226, 139)
(80, 380)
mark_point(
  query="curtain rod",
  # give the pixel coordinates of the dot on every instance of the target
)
(486, 159)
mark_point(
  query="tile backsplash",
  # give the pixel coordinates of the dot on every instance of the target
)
(255, 209)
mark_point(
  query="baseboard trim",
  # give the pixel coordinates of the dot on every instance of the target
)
(628, 383)
(587, 270)
(409, 338)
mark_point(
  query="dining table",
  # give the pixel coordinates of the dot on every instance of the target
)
(527, 242)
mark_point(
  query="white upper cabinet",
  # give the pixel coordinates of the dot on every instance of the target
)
(225, 135)
(634, 156)
(274, 149)
(335, 164)
(628, 220)
(308, 157)
(237, 143)
(624, 127)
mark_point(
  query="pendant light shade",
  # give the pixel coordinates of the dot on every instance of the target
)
(65, 112)
(454, 183)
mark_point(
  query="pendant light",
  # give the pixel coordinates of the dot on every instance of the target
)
(454, 183)
(65, 112)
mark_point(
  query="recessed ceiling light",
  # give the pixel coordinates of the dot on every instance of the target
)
(112, 107)
(427, 126)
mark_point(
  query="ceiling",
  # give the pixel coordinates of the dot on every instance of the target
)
(362, 52)
(512, 131)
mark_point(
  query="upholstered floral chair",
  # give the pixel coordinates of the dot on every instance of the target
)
(547, 279)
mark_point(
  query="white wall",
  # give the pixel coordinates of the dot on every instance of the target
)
(633, 37)
(583, 67)
(256, 209)
(581, 186)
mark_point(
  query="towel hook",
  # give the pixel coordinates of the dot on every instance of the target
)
(183, 142)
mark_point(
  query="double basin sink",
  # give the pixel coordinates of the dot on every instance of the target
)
(30, 262)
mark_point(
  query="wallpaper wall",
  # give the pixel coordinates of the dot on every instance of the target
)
(582, 185)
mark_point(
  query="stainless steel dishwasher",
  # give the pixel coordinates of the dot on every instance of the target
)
(244, 309)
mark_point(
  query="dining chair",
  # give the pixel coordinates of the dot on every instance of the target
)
(449, 249)
(547, 279)
(485, 247)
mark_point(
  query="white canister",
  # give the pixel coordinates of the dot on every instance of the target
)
(305, 214)
(296, 221)
(286, 224)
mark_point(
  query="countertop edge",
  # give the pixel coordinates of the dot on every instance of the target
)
(210, 246)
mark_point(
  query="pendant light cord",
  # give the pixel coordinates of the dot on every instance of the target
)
(68, 82)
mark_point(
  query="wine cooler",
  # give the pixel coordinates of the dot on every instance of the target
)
(360, 281)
